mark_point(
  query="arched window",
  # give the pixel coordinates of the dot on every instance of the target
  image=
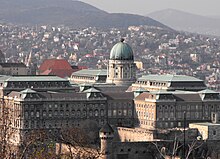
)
(26, 114)
(84, 113)
(78, 113)
(90, 113)
(102, 112)
(73, 112)
(96, 112)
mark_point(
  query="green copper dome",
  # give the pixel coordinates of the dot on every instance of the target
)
(121, 51)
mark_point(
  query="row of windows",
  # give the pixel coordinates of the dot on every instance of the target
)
(166, 115)
(145, 115)
(120, 67)
(61, 113)
(167, 124)
(162, 107)
(146, 106)
(193, 115)
(82, 77)
(179, 107)
(57, 124)
(119, 113)
(64, 106)
(148, 123)
(38, 84)
(152, 83)
(119, 105)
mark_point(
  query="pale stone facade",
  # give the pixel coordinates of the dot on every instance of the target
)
(121, 69)
(121, 72)
(163, 110)
(134, 134)
(208, 131)
(13, 69)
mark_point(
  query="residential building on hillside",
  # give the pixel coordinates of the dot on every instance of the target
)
(13, 69)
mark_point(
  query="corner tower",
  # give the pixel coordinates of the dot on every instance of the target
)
(121, 69)
(106, 135)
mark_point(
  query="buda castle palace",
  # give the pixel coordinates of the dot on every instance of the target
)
(136, 109)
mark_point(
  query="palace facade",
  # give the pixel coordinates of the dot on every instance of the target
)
(149, 104)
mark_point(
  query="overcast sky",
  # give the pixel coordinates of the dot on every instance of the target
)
(143, 7)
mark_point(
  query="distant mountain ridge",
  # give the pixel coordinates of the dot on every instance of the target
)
(184, 21)
(67, 12)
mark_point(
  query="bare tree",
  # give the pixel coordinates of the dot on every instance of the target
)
(7, 129)
(37, 144)
(171, 149)
(194, 145)
(78, 144)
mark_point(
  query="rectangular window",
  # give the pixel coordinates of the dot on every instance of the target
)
(125, 112)
(171, 115)
(171, 124)
(38, 114)
(50, 113)
(61, 112)
(32, 114)
(179, 114)
(109, 112)
(44, 113)
(26, 114)
(96, 113)
(214, 132)
(55, 112)
(114, 112)
(119, 112)
(188, 115)
(102, 112)
(166, 114)
(188, 107)
(160, 114)
(129, 112)
(197, 114)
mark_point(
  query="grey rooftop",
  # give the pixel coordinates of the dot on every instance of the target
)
(33, 79)
(91, 72)
(169, 78)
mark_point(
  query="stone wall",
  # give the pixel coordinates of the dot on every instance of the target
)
(143, 150)
(139, 134)
(133, 134)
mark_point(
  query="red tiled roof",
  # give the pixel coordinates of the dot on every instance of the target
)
(46, 72)
(58, 67)
(54, 64)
